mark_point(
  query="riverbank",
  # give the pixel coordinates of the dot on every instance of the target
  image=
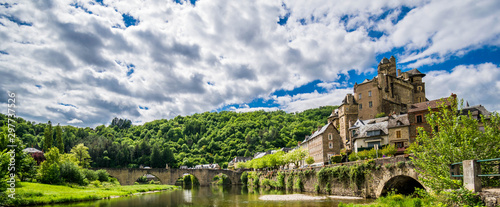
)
(36, 193)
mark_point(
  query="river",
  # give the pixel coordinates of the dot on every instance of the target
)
(220, 196)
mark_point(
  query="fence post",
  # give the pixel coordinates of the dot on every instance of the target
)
(471, 179)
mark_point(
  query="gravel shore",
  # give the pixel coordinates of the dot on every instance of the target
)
(290, 197)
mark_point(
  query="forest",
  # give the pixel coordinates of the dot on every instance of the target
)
(210, 137)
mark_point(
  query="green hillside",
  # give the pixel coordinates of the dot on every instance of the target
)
(210, 137)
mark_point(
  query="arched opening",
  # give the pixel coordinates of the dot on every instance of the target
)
(221, 179)
(187, 180)
(401, 184)
(148, 179)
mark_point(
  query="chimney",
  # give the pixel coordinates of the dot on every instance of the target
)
(454, 96)
(399, 72)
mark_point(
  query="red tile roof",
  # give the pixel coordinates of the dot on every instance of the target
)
(423, 106)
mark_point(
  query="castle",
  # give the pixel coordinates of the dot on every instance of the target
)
(389, 94)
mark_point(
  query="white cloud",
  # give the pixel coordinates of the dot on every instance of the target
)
(75, 121)
(477, 84)
(190, 59)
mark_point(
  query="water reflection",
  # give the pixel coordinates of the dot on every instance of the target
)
(219, 196)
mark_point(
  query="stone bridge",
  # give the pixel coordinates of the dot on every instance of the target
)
(128, 176)
(392, 173)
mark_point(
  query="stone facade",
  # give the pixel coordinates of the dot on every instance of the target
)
(390, 92)
(323, 143)
(399, 132)
(417, 113)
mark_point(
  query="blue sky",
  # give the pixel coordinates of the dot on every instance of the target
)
(84, 62)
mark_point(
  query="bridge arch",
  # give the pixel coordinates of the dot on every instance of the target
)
(403, 184)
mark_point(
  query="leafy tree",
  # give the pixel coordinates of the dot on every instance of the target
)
(47, 144)
(454, 138)
(82, 155)
(310, 160)
(49, 169)
(156, 160)
(59, 139)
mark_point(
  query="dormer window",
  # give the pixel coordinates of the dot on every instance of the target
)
(373, 133)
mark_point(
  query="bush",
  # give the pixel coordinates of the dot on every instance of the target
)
(256, 181)
(389, 150)
(71, 173)
(464, 197)
(353, 157)
(281, 180)
(336, 159)
(266, 182)
(299, 185)
(142, 179)
(289, 182)
(103, 176)
(244, 178)
(89, 174)
(50, 174)
(187, 180)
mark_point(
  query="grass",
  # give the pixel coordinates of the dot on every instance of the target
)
(398, 200)
(35, 193)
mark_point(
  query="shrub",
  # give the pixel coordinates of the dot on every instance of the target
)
(281, 180)
(50, 174)
(244, 178)
(336, 159)
(289, 182)
(389, 150)
(187, 180)
(102, 175)
(266, 182)
(90, 174)
(353, 157)
(401, 164)
(96, 183)
(464, 197)
(142, 179)
(316, 188)
(71, 173)
(256, 181)
(327, 188)
(299, 185)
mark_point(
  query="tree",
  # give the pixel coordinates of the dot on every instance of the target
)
(82, 155)
(296, 156)
(59, 140)
(454, 138)
(310, 160)
(47, 142)
(49, 169)
(155, 158)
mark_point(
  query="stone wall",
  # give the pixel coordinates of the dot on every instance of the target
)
(384, 173)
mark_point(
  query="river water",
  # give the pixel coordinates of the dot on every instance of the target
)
(220, 196)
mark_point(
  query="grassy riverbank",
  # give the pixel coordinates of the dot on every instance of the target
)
(398, 201)
(36, 193)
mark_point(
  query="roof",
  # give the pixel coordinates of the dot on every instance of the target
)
(415, 72)
(31, 150)
(398, 120)
(371, 125)
(240, 159)
(384, 60)
(360, 123)
(317, 133)
(476, 111)
(423, 106)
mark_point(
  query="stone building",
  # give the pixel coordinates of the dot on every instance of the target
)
(368, 133)
(399, 132)
(418, 111)
(323, 143)
(389, 92)
(476, 112)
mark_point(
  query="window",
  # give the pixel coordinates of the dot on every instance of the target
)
(330, 136)
(360, 106)
(359, 97)
(372, 144)
(436, 129)
(373, 133)
(419, 88)
(353, 133)
(369, 93)
(419, 118)
(399, 144)
(370, 104)
(330, 144)
(398, 134)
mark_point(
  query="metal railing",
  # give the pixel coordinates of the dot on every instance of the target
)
(455, 167)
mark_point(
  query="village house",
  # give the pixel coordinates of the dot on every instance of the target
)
(476, 112)
(232, 163)
(417, 113)
(368, 133)
(399, 132)
(323, 143)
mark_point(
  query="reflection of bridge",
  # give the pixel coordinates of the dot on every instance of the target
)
(128, 176)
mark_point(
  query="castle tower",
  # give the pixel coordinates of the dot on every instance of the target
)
(415, 78)
(347, 114)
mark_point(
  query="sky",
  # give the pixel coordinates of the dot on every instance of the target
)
(82, 63)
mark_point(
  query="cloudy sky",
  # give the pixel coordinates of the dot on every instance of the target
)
(84, 62)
